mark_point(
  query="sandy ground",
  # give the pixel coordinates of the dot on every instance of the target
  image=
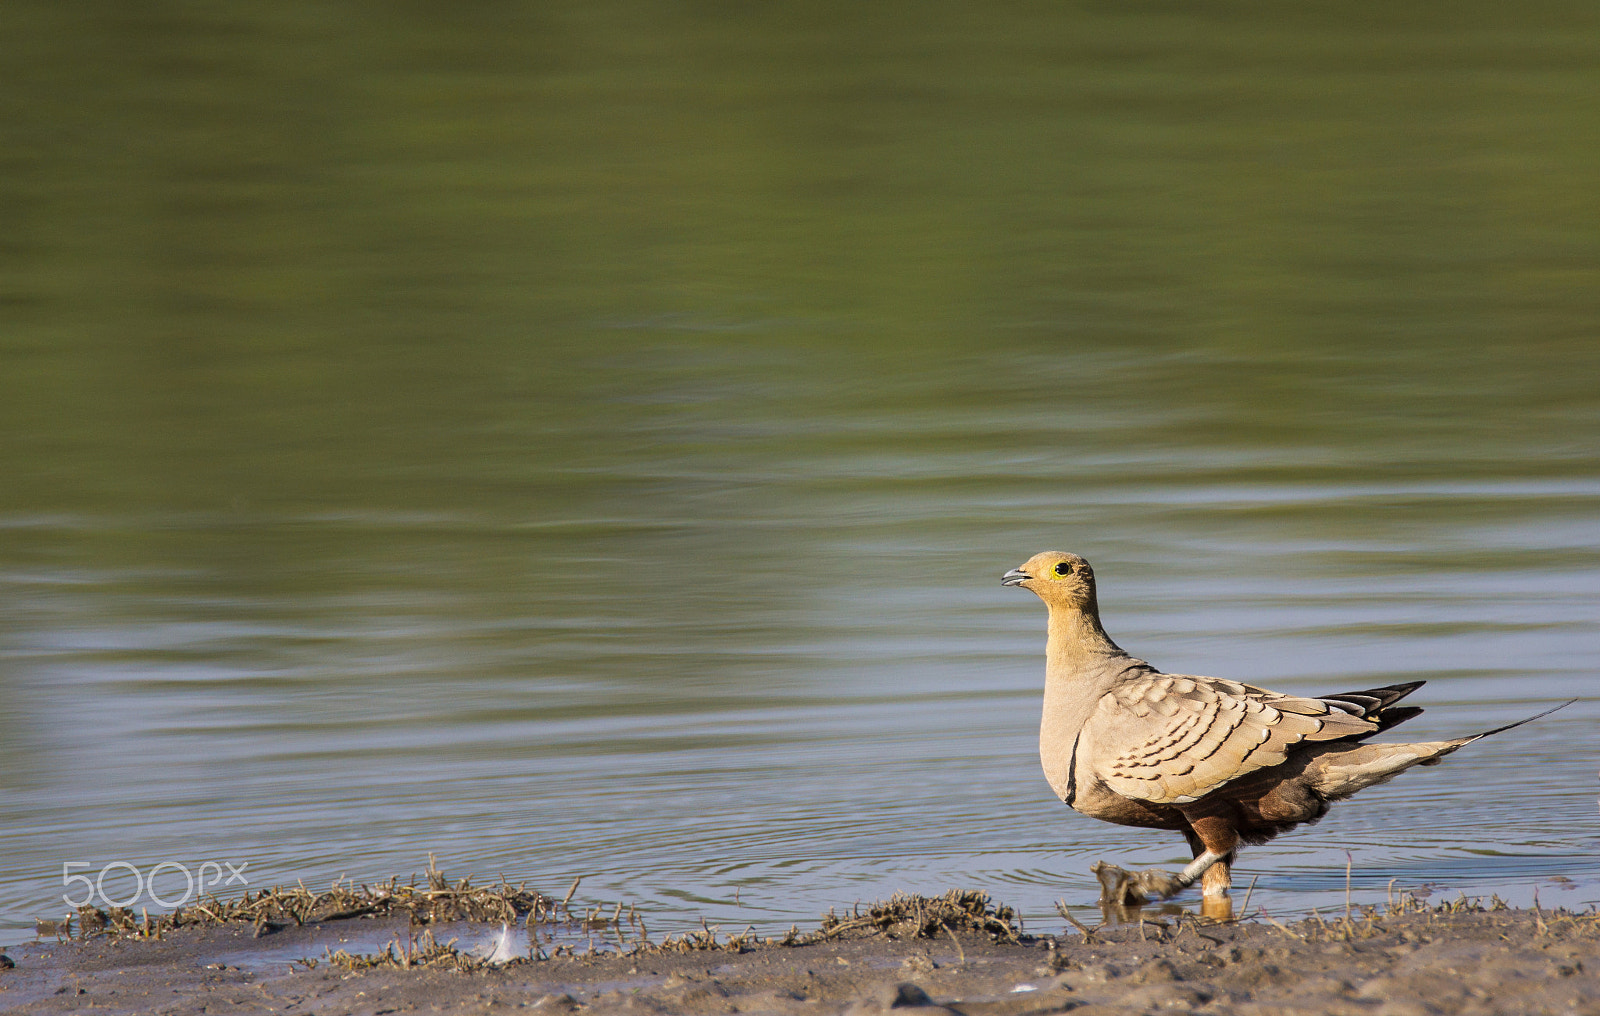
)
(1434, 961)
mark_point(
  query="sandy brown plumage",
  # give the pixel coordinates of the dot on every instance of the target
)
(1222, 762)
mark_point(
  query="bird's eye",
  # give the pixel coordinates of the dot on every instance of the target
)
(1063, 568)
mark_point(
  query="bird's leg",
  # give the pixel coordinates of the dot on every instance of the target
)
(1218, 836)
(1218, 878)
(1212, 838)
(1129, 888)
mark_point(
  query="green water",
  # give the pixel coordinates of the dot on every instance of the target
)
(586, 439)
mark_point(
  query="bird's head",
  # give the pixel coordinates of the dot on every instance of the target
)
(1058, 578)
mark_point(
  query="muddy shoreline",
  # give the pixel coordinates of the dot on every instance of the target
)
(1456, 958)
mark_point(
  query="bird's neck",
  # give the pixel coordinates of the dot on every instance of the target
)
(1076, 640)
(1081, 664)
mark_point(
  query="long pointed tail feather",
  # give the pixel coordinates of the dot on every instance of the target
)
(1535, 716)
(1460, 742)
(1342, 773)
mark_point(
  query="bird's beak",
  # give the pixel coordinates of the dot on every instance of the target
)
(1014, 577)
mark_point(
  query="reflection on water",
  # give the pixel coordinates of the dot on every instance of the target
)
(587, 442)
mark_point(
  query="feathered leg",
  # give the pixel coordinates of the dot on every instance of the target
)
(1213, 840)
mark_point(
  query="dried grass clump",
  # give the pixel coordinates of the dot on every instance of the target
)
(903, 915)
(909, 916)
(421, 951)
(702, 940)
(1410, 909)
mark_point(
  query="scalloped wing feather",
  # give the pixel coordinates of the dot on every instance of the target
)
(1172, 738)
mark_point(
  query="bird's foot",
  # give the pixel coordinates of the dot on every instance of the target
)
(1130, 888)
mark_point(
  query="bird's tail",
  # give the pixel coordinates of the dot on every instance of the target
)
(1338, 774)
(1535, 716)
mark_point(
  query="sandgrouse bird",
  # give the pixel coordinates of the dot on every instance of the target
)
(1222, 762)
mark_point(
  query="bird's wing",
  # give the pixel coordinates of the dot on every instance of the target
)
(1171, 739)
